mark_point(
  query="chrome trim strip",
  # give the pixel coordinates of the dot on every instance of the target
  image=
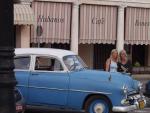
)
(21, 85)
(73, 90)
(48, 88)
(26, 70)
(85, 91)
(42, 71)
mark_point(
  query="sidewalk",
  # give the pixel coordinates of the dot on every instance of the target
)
(141, 76)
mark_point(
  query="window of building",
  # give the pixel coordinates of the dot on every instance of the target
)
(48, 64)
(22, 63)
(139, 55)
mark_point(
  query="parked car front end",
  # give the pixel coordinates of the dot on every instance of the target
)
(121, 90)
(133, 97)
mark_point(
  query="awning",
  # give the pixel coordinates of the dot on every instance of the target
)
(137, 26)
(98, 24)
(53, 22)
(23, 15)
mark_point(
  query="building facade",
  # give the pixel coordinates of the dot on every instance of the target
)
(23, 20)
(92, 28)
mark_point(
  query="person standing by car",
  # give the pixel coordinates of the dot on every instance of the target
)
(111, 63)
(124, 65)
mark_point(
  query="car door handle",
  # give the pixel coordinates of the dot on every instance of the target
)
(35, 74)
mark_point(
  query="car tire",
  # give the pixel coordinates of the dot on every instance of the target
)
(98, 104)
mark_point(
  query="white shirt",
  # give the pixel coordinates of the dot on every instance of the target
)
(113, 66)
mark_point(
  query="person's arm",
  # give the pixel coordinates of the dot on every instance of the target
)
(107, 65)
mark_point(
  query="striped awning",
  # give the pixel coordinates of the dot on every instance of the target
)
(137, 26)
(98, 24)
(53, 22)
(23, 14)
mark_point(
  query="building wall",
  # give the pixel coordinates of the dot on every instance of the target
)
(23, 36)
(86, 51)
(18, 36)
(149, 55)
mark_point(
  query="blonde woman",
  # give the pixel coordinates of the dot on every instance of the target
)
(124, 65)
(111, 63)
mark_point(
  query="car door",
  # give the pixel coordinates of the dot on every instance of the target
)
(48, 83)
(22, 73)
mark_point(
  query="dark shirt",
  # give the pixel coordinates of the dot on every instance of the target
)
(127, 68)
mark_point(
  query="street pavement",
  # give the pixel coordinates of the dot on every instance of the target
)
(146, 110)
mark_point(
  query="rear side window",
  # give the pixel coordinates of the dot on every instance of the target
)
(48, 64)
(22, 63)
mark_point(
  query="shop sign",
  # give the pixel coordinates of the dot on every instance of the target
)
(97, 24)
(137, 24)
(53, 22)
(41, 18)
(98, 20)
(142, 23)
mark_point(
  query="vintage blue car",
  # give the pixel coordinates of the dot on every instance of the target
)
(59, 79)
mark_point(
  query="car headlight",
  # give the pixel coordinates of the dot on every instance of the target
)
(125, 90)
(140, 86)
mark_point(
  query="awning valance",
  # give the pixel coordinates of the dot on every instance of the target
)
(53, 22)
(137, 26)
(98, 24)
(23, 14)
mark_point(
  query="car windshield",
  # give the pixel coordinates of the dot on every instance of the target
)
(74, 63)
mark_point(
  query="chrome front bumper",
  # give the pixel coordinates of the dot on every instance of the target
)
(124, 108)
(129, 107)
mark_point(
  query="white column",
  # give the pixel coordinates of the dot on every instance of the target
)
(149, 55)
(120, 29)
(74, 28)
(25, 36)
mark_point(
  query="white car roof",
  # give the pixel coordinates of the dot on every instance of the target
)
(43, 51)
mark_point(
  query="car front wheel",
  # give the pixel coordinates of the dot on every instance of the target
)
(98, 104)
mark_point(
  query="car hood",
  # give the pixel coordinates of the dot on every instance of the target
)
(116, 78)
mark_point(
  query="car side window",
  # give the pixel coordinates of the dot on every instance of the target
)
(22, 63)
(48, 64)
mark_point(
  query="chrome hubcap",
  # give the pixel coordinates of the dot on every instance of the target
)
(99, 108)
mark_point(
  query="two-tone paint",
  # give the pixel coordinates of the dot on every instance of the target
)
(70, 89)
